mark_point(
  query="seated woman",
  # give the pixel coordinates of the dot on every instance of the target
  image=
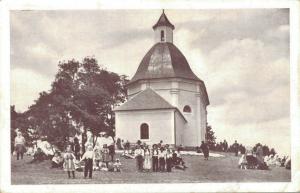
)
(38, 156)
(57, 161)
(251, 161)
(177, 161)
(243, 162)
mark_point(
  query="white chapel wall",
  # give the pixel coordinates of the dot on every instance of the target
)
(186, 95)
(179, 129)
(161, 125)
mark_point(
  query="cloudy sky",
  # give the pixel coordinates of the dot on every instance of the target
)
(241, 55)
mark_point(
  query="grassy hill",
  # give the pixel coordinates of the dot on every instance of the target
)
(223, 169)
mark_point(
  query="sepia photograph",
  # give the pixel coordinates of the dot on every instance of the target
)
(150, 96)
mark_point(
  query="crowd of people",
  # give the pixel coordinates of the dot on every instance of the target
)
(98, 153)
(156, 158)
(255, 159)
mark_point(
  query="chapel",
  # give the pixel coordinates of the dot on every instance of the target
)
(166, 100)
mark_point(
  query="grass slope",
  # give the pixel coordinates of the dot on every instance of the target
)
(214, 170)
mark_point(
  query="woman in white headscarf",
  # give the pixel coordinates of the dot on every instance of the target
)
(20, 145)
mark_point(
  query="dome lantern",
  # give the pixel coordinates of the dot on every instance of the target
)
(163, 29)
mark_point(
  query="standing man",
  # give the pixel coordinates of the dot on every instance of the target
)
(236, 148)
(225, 145)
(19, 145)
(139, 156)
(205, 150)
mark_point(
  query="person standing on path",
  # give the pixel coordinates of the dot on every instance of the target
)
(205, 150)
(236, 148)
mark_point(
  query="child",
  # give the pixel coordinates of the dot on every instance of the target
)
(155, 158)
(103, 167)
(139, 155)
(111, 167)
(162, 159)
(97, 158)
(169, 160)
(243, 162)
(147, 159)
(38, 156)
(69, 164)
(57, 161)
(105, 155)
(117, 166)
(88, 157)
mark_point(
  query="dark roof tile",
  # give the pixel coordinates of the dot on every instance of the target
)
(164, 60)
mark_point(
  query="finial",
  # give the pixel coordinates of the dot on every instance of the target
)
(163, 11)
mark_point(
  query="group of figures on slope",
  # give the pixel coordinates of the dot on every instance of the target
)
(158, 157)
(257, 160)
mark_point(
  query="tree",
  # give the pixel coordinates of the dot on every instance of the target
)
(210, 136)
(82, 96)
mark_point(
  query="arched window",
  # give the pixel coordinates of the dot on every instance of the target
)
(187, 109)
(162, 35)
(144, 131)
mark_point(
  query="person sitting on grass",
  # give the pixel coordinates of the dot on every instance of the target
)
(69, 163)
(57, 161)
(243, 162)
(117, 166)
(177, 161)
(128, 153)
(38, 156)
(88, 158)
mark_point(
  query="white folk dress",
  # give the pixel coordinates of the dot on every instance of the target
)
(69, 164)
(147, 160)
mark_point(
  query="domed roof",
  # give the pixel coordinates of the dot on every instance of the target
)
(164, 60)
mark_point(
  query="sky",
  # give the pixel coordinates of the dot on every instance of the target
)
(242, 55)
